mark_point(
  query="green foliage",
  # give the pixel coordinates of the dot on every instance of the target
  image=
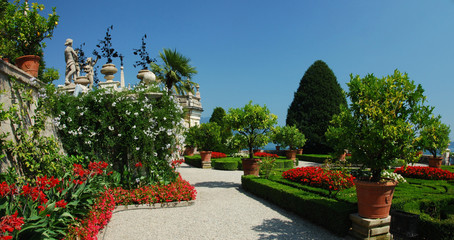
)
(251, 121)
(124, 129)
(24, 27)
(207, 136)
(226, 133)
(289, 136)
(49, 75)
(382, 121)
(435, 136)
(190, 136)
(317, 99)
(29, 151)
(318, 158)
(175, 72)
(267, 165)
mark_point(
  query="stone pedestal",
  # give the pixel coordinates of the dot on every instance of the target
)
(373, 229)
(67, 88)
(109, 84)
(206, 164)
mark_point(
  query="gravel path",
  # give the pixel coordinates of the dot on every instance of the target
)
(222, 210)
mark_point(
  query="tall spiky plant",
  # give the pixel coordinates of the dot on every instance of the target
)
(175, 72)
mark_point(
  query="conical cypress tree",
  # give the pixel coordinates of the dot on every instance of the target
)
(218, 117)
(317, 99)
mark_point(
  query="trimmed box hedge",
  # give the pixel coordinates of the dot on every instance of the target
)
(318, 158)
(221, 164)
(326, 212)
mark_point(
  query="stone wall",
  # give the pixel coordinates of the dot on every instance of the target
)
(8, 97)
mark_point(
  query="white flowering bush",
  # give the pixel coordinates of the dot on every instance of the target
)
(138, 131)
(395, 176)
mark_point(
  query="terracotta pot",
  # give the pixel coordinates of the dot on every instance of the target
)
(251, 166)
(6, 59)
(29, 64)
(291, 154)
(206, 156)
(374, 198)
(435, 162)
(189, 151)
(299, 151)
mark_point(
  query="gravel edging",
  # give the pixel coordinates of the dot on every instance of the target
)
(122, 208)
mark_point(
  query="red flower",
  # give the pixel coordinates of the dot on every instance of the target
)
(218, 155)
(61, 204)
(139, 164)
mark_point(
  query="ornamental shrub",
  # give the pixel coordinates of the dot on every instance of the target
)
(123, 128)
(331, 180)
(226, 133)
(425, 173)
(316, 100)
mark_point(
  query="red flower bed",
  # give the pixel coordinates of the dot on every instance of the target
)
(264, 154)
(218, 155)
(425, 173)
(318, 177)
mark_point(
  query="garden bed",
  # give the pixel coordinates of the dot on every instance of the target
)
(431, 200)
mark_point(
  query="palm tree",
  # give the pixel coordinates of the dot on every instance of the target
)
(175, 72)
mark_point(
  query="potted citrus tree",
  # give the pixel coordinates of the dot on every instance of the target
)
(276, 137)
(292, 138)
(25, 29)
(435, 138)
(251, 121)
(190, 136)
(380, 125)
(207, 136)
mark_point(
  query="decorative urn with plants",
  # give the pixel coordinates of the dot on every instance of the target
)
(435, 138)
(292, 138)
(251, 121)
(23, 30)
(145, 75)
(108, 52)
(207, 135)
(381, 124)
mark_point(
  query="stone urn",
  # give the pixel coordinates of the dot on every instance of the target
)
(109, 70)
(146, 76)
(82, 80)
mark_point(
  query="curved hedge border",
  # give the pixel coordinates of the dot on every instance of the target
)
(225, 164)
(329, 213)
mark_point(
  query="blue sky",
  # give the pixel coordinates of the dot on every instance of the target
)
(259, 49)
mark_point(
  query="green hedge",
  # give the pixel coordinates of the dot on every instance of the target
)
(318, 158)
(327, 212)
(225, 164)
(195, 161)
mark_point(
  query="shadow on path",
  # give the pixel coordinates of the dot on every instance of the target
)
(279, 229)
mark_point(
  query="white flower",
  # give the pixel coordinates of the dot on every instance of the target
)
(137, 148)
(128, 112)
(113, 104)
(111, 128)
(134, 126)
(119, 134)
(136, 114)
(137, 180)
(62, 113)
(155, 154)
(81, 114)
(141, 109)
(164, 118)
(135, 138)
(69, 119)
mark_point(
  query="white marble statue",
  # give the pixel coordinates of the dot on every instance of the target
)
(88, 69)
(71, 62)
